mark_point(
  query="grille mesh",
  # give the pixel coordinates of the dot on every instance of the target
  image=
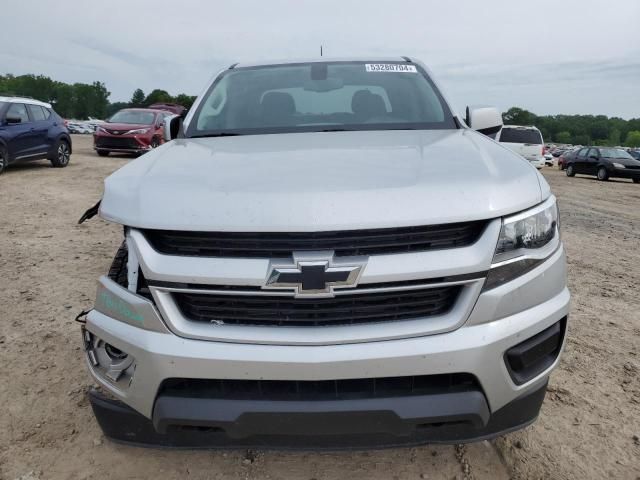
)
(339, 310)
(311, 390)
(115, 142)
(344, 243)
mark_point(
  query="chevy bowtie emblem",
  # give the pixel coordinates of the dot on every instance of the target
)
(314, 273)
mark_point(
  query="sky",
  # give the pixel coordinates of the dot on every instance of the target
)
(550, 57)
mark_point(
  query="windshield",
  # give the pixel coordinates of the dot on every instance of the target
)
(614, 153)
(133, 117)
(520, 135)
(320, 97)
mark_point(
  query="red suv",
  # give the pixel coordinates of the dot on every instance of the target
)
(132, 130)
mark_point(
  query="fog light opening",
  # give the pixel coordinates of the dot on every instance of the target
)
(114, 353)
(108, 361)
(530, 358)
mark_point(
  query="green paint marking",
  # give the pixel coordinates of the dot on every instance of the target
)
(120, 307)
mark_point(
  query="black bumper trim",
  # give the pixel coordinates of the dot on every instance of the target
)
(393, 422)
(247, 418)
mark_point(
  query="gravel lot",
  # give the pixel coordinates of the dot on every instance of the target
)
(590, 422)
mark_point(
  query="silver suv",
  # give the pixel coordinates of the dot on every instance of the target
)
(327, 256)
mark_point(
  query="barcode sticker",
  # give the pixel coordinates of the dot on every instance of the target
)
(390, 67)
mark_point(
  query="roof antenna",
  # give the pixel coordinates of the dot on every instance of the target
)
(320, 50)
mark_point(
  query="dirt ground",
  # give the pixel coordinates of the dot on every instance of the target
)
(590, 421)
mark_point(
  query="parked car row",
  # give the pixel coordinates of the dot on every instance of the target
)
(32, 130)
(83, 126)
(603, 162)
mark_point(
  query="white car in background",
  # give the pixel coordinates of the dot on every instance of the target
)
(526, 141)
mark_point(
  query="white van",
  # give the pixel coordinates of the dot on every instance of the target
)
(526, 141)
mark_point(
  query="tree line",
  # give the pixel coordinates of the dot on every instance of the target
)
(579, 129)
(82, 100)
(139, 99)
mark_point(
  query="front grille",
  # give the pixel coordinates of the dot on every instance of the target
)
(309, 390)
(343, 243)
(340, 310)
(114, 142)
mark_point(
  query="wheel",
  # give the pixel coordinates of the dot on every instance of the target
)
(62, 155)
(4, 161)
(155, 142)
(603, 175)
(570, 171)
(103, 153)
(636, 180)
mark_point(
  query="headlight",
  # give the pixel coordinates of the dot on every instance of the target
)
(526, 240)
(618, 165)
(101, 130)
(139, 131)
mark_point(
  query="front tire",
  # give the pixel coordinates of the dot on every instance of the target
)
(4, 160)
(636, 180)
(155, 142)
(103, 153)
(570, 171)
(603, 175)
(62, 155)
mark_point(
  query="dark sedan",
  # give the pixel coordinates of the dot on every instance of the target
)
(604, 163)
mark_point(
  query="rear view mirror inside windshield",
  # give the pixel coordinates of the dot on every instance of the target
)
(324, 85)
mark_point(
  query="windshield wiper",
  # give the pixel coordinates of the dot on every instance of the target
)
(390, 127)
(219, 134)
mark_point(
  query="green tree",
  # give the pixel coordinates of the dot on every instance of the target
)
(158, 96)
(137, 99)
(90, 100)
(518, 116)
(614, 137)
(185, 100)
(64, 99)
(582, 139)
(101, 99)
(114, 107)
(563, 137)
(633, 139)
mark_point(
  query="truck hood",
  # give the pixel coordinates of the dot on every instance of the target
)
(321, 181)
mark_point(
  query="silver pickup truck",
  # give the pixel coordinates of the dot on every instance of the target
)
(326, 256)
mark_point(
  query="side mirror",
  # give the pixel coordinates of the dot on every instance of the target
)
(172, 128)
(486, 120)
(13, 120)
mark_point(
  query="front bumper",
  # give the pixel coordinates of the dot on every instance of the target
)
(501, 318)
(630, 173)
(121, 143)
(360, 429)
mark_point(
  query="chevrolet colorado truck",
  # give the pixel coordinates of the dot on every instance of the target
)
(325, 255)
